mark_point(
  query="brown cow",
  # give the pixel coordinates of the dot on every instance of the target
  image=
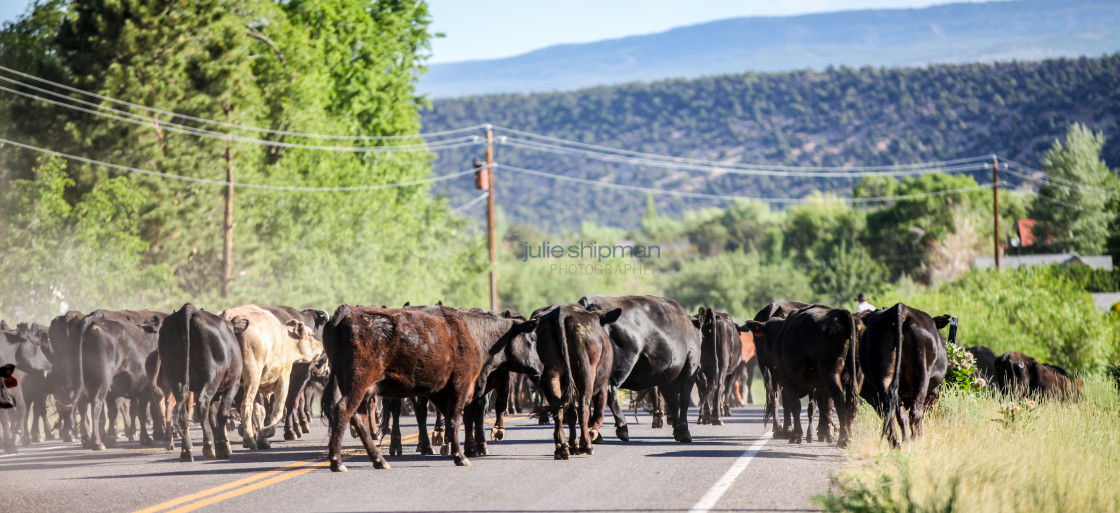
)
(399, 352)
(1020, 374)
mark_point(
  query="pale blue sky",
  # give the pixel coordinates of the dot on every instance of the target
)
(487, 29)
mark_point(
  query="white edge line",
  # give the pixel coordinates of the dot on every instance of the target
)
(709, 500)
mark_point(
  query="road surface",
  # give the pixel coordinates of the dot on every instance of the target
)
(725, 468)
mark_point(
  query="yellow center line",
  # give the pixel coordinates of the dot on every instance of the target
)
(261, 480)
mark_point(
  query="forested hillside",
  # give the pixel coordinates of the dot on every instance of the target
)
(838, 117)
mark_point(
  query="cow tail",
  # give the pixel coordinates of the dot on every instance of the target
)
(851, 394)
(330, 336)
(567, 392)
(771, 395)
(182, 415)
(892, 390)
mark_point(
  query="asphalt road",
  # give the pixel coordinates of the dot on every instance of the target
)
(725, 468)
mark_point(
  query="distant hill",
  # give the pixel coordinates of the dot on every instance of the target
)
(837, 117)
(952, 33)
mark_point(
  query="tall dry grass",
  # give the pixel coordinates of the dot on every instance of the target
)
(1062, 457)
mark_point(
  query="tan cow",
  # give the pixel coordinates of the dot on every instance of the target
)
(269, 348)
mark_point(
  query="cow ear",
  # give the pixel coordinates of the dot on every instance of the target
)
(406, 303)
(297, 328)
(151, 325)
(240, 325)
(941, 321)
(700, 311)
(695, 320)
(754, 327)
(525, 327)
(439, 303)
(610, 316)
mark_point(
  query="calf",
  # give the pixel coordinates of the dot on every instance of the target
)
(65, 333)
(903, 361)
(269, 348)
(767, 365)
(199, 354)
(577, 357)
(814, 348)
(294, 424)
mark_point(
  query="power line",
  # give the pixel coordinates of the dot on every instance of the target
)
(235, 184)
(732, 168)
(722, 197)
(233, 125)
(467, 206)
(174, 127)
(763, 167)
(1070, 183)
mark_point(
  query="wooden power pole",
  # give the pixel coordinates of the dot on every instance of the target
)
(995, 206)
(493, 243)
(227, 226)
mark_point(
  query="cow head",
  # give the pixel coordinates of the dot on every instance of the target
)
(29, 353)
(1013, 372)
(520, 346)
(755, 328)
(7, 399)
(307, 348)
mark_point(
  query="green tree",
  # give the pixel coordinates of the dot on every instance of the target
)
(1071, 210)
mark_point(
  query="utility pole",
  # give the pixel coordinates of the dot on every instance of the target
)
(227, 226)
(995, 206)
(490, 219)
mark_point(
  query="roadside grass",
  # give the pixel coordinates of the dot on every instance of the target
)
(1058, 458)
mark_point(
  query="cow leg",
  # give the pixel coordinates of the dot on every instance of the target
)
(562, 451)
(155, 408)
(751, 366)
(791, 403)
(583, 408)
(900, 416)
(470, 419)
(480, 428)
(222, 448)
(453, 407)
(836, 393)
(251, 381)
(98, 407)
(598, 414)
(677, 397)
(438, 437)
(501, 403)
(206, 412)
(423, 445)
(395, 446)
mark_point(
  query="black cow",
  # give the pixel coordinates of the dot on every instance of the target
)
(65, 333)
(815, 348)
(721, 350)
(1020, 375)
(199, 354)
(21, 348)
(577, 357)
(767, 365)
(113, 352)
(655, 345)
(903, 360)
(985, 363)
(37, 387)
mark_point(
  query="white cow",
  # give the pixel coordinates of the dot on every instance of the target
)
(269, 348)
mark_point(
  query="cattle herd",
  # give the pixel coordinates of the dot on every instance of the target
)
(246, 369)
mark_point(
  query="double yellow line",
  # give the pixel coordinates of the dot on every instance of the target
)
(254, 482)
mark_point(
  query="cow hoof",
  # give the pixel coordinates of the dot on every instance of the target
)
(470, 451)
(497, 434)
(223, 452)
(147, 442)
(562, 454)
(111, 443)
(717, 422)
(50, 436)
(380, 464)
(681, 434)
(596, 438)
(337, 467)
(795, 439)
(304, 429)
(186, 457)
(462, 461)
(97, 446)
(425, 450)
(169, 446)
(437, 438)
(658, 422)
(353, 434)
(445, 450)
(289, 436)
(208, 451)
(482, 450)
(842, 443)
(67, 438)
(263, 443)
(623, 433)
(249, 443)
(396, 450)
(543, 420)
(586, 449)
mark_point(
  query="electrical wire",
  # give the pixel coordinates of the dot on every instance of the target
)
(236, 184)
(722, 197)
(765, 167)
(402, 148)
(235, 125)
(467, 206)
